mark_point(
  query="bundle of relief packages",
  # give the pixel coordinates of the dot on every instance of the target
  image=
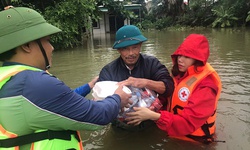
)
(141, 97)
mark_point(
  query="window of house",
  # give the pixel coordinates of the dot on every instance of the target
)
(96, 24)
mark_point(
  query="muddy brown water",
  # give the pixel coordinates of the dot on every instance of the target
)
(229, 55)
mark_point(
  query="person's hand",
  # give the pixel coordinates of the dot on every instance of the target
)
(135, 82)
(141, 114)
(124, 97)
(93, 81)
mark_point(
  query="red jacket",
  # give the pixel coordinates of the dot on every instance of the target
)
(199, 108)
(201, 103)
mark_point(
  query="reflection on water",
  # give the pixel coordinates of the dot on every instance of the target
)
(230, 56)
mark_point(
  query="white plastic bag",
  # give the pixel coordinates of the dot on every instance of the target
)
(103, 89)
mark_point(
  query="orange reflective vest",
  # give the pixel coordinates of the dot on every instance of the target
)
(185, 88)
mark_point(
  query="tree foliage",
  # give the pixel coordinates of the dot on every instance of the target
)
(224, 17)
(215, 13)
(73, 17)
(248, 17)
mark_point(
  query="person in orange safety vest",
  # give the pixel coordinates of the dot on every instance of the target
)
(191, 112)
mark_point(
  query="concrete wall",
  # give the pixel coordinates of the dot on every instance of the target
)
(103, 24)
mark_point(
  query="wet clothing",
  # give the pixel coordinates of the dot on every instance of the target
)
(32, 100)
(194, 101)
(147, 67)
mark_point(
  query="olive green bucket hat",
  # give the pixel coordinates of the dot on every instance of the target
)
(128, 35)
(20, 25)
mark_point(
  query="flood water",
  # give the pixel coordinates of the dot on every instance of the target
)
(229, 55)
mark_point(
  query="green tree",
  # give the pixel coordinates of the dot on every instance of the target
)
(248, 17)
(224, 17)
(74, 17)
(237, 9)
(197, 13)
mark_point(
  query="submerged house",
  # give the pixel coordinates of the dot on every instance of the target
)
(110, 23)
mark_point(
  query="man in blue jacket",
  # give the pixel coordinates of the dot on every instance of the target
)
(135, 69)
(38, 111)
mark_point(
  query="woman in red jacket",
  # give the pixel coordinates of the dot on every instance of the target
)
(192, 109)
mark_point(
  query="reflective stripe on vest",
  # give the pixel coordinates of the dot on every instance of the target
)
(185, 88)
(5, 135)
(6, 73)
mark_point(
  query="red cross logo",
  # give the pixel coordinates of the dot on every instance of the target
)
(183, 94)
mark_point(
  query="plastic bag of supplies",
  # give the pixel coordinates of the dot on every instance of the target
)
(141, 97)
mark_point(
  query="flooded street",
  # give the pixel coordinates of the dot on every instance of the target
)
(229, 55)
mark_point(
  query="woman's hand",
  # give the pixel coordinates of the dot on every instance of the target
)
(141, 114)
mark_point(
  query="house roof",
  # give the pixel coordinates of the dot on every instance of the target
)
(128, 7)
(132, 6)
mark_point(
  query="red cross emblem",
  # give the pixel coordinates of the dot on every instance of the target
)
(183, 94)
